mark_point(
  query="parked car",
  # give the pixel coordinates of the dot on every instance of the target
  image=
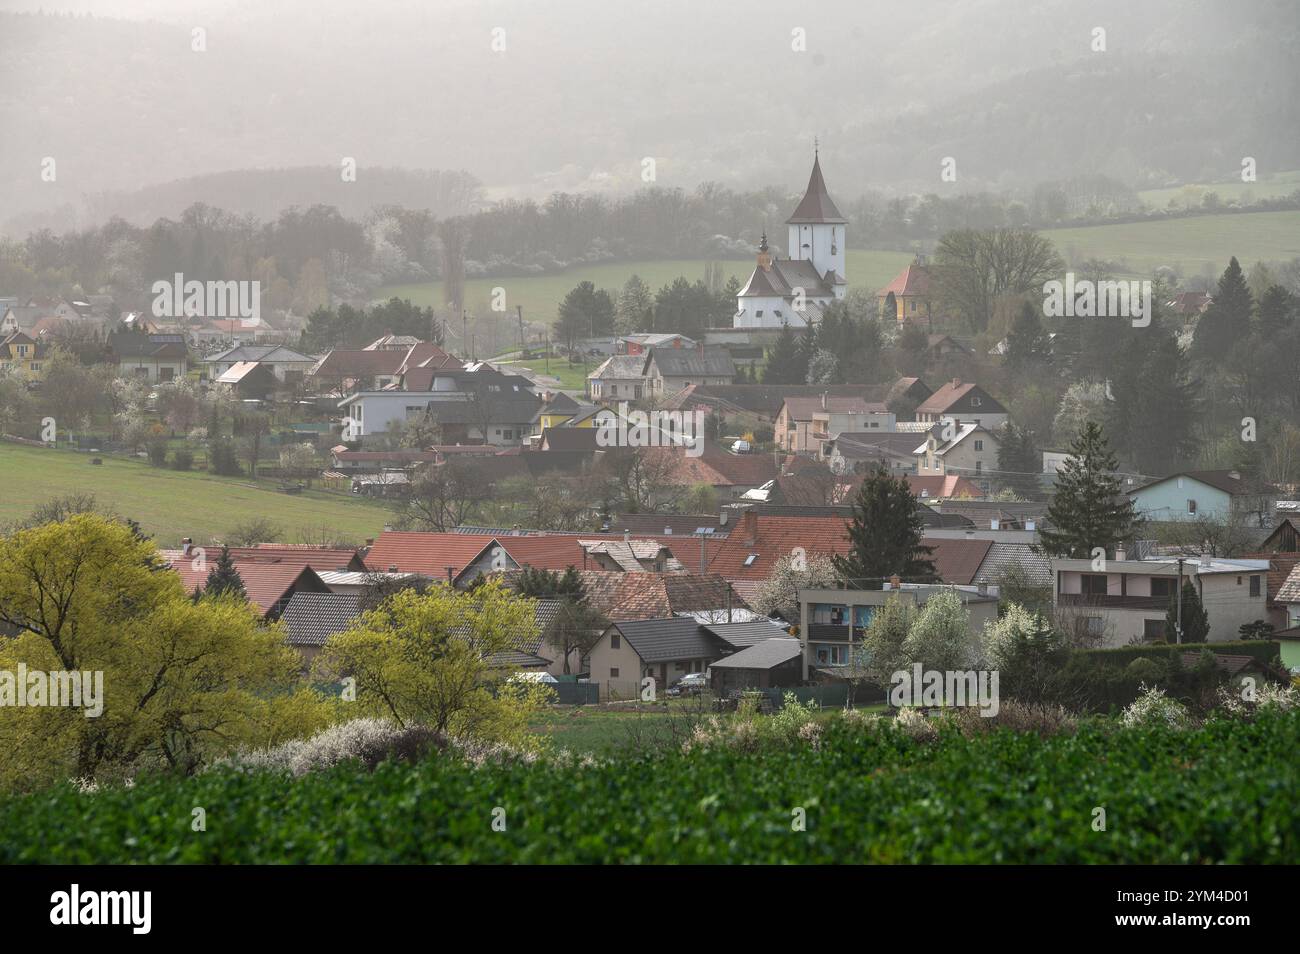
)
(691, 684)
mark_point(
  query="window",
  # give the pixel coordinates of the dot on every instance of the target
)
(613, 673)
(979, 466)
(1092, 584)
(975, 400)
(979, 445)
(508, 435)
(1095, 625)
(614, 641)
(1191, 506)
(1163, 586)
(1153, 630)
(613, 389)
(749, 560)
(1254, 586)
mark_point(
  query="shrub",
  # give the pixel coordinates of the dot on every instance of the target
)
(157, 453)
(1041, 719)
(1144, 670)
(1153, 707)
(369, 741)
(182, 459)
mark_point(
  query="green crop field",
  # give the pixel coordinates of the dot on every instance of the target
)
(1270, 187)
(540, 295)
(172, 504)
(1221, 793)
(1200, 245)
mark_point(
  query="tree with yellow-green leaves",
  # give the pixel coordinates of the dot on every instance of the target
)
(440, 658)
(182, 683)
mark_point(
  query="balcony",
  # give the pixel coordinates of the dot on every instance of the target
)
(1113, 602)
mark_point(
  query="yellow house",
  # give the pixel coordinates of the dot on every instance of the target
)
(24, 356)
(563, 411)
(913, 295)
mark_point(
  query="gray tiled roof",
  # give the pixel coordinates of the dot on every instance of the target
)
(744, 635)
(312, 618)
(1037, 567)
(678, 362)
(764, 655)
(662, 640)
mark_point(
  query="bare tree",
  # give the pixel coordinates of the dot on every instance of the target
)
(442, 496)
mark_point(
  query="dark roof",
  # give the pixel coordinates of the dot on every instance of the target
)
(129, 344)
(680, 362)
(666, 523)
(312, 618)
(767, 399)
(742, 635)
(1002, 556)
(497, 409)
(561, 403)
(768, 654)
(785, 275)
(1229, 664)
(874, 445)
(570, 439)
(816, 206)
(674, 637)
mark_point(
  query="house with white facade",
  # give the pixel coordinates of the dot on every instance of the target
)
(1126, 600)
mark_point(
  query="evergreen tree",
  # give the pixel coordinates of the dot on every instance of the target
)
(635, 304)
(1196, 622)
(885, 535)
(224, 578)
(1089, 509)
(1027, 343)
(1277, 311)
(889, 311)
(1227, 320)
(1020, 462)
(783, 360)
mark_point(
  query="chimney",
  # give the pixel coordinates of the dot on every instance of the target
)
(895, 582)
(392, 568)
(1206, 561)
(627, 536)
(750, 528)
(187, 543)
(956, 382)
(1031, 525)
(1120, 553)
(824, 400)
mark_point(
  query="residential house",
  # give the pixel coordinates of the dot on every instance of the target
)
(806, 425)
(1220, 495)
(373, 369)
(856, 451)
(289, 366)
(621, 377)
(964, 403)
(248, 380)
(668, 370)
(832, 621)
(662, 650)
(1128, 600)
(152, 358)
(966, 449)
(269, 583)
(915, 300)
(641, 343)
(482, 406)
(23, 356)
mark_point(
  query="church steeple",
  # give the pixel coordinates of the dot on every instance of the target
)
(816, 207)
(816, 229)
(764, 255)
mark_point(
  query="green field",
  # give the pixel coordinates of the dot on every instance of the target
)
(571, 377)
(1272, 187)
(1199, 245)
(540, 295)
(172, 504)
(1221, 793)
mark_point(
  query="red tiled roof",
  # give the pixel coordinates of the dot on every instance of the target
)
(803, 408)
(947, 485)
(428, 554)
(913, 280)
(773, 537)
(266, 583)
(944, 398)
(1280, 566)
(627, 596)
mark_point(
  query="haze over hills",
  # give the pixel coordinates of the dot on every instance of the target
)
(141, 125)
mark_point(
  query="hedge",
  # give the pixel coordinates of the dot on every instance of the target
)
(1262, 650)
(1225, 792)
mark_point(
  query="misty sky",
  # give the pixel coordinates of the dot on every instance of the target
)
(586, 88)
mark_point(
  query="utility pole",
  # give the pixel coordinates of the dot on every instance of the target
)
(519, 310)
(464, 331)
(1180, 600)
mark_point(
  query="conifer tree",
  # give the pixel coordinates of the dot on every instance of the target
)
(1089, 508)
(885, 535)
(224, 578)
(1227, 320)
(783, 360)
(1027, 343)
(1196, 622)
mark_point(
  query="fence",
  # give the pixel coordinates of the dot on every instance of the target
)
(576, 693)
